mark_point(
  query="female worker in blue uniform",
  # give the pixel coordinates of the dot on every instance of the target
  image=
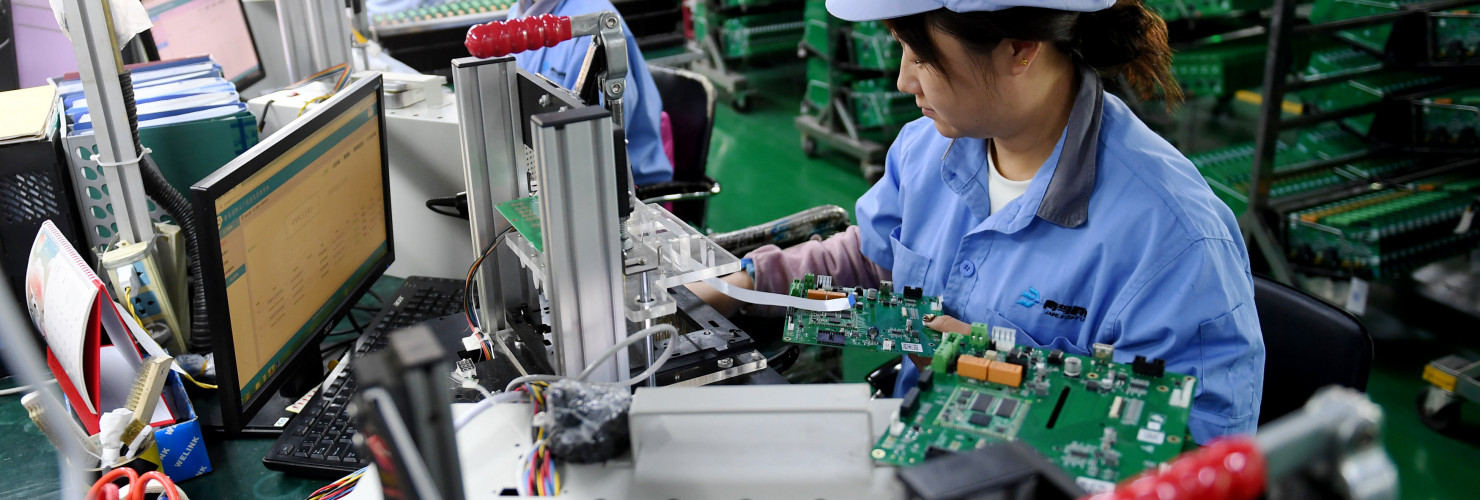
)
(1030, 198)
(641, 106)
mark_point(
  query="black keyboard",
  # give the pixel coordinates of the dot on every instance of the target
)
(319, 441)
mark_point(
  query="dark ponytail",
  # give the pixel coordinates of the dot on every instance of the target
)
(1125, 40)
(1129, 39)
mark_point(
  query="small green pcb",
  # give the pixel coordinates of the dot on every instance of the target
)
(1103, 424)
(880, 319)
(524, 215)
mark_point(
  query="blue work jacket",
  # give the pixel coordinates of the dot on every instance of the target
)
(641, 106)
(1117, 240)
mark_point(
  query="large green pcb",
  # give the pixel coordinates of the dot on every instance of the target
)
(1107, 423)
(880, 319)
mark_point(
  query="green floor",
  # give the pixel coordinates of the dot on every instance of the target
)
(757, 158)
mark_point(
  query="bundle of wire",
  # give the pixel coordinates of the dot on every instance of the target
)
(537, 474)
(340, 488)
(485, 340)
(339, 83)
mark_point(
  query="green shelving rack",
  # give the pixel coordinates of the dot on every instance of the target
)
(732, 33)
(851, 102)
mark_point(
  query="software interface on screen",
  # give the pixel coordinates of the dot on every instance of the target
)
(297, 236)
(218, 28)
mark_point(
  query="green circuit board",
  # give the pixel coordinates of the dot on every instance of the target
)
(524, 215)
(1108, 422)
(880, 319)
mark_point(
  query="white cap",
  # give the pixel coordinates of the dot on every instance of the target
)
(871, 10)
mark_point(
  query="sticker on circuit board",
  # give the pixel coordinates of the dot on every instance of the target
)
(911, 347)
(1151, 437)
(1091, 485)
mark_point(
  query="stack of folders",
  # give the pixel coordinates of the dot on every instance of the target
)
(189, 115)
(27, 112)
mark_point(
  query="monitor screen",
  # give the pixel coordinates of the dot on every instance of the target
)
(294, 231)
(218, 28)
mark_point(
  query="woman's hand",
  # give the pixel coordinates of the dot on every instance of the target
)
(947, 324)
(943, 324)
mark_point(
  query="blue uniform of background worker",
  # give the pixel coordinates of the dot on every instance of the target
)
(641, 106)
(1108, 235)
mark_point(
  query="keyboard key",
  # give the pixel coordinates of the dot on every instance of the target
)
(338, 451)
(319, 451)
(286, 449)
(300, 430)
(351, 455)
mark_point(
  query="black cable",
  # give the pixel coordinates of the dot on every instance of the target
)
(159, 189)
(265, 109)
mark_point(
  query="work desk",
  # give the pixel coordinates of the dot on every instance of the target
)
(30, 464)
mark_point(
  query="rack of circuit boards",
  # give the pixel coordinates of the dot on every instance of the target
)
(852, 103)
(733, 32)
(1385, 74)
(1098, 420)
(880, 319)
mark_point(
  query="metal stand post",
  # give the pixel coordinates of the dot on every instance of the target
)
(316, 36)
(100, 68)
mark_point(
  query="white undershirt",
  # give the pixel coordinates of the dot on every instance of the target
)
(1000, 189)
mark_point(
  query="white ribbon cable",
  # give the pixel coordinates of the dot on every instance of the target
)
(776, 299)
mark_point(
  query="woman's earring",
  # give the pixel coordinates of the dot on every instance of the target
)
(1023, 62)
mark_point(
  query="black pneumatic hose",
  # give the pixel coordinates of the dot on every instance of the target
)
(160, 190)
(786, 231)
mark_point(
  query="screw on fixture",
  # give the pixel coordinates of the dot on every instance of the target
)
(545, 100)
(616, 87)
(611, 22)
(726, 363)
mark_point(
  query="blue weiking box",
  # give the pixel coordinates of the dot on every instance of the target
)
(182, 446)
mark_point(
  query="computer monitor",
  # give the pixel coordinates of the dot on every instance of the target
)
(293, 232)
(218, 28)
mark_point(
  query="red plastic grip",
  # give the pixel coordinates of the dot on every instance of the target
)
(501, 38)
(1228, 469)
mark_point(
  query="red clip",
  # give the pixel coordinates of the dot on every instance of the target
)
(1228, 469)
(501, 38)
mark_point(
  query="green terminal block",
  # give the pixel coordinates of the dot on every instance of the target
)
(945, 355)
(981, 337)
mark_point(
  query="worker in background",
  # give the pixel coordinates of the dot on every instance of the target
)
(1027, 197)
(642, 108)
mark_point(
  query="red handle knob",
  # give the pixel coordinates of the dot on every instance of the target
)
(1229, 469)
(501, 38)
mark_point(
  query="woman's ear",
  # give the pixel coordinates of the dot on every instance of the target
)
(1022, 54)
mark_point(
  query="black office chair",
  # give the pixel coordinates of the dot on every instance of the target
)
(1309, 344)
(689, 100)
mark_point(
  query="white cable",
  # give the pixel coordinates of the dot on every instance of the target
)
(775, 299)
(631, 339)
(134, 161)
(657, 363)
(22, 389)
(485, 404)
(514, 384)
